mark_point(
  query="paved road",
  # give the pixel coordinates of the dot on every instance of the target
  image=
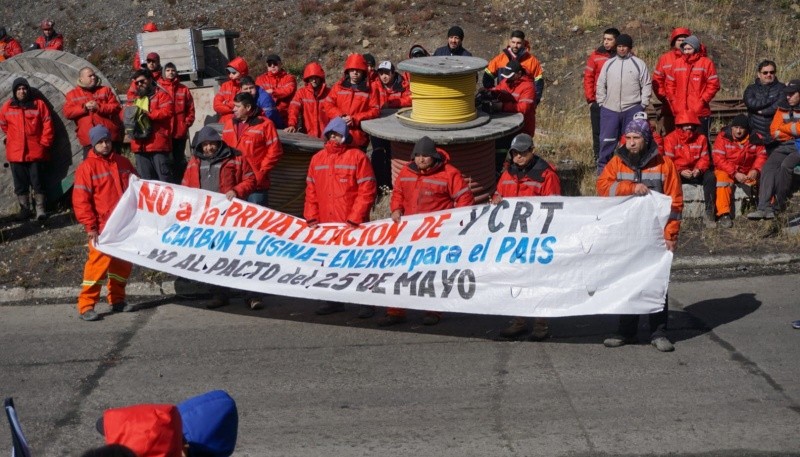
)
(337, 386)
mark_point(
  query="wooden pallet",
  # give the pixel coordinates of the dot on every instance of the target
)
(182, 47)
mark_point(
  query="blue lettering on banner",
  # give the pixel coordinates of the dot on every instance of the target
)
(371, 258)
(198, 237)
(524, 250)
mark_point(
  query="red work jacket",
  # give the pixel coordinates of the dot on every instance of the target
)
(99, 184)
(340, 186)
(107, 113)
(29, 130)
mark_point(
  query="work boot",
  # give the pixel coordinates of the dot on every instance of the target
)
(725, 221)
(41, 214)
(255, 302)
(122, 307)
(330, 308)
(616, 341)
(24, 207)
(710, 220)
(390, 319)
(90, 315)
(759, 214)
(217, 301)
(518, 327)
(662, 344)
(541, 331)
(431, 318)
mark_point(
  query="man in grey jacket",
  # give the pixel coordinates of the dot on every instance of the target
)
(623, 89)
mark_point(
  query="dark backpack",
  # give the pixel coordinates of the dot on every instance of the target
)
(137, 123)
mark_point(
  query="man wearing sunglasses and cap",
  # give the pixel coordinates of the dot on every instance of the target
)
(516, 93)
(528, 175)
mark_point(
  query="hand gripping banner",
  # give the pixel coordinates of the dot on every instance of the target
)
(534, 256)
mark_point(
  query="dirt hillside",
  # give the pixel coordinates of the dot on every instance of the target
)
(562, 32)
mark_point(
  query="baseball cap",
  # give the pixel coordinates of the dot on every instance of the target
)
(522, 142)
(385, 65)
(792, 86)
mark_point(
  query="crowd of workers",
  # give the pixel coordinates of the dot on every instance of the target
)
(756, 152)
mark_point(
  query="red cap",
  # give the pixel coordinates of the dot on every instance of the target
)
(150, 27)
(154, 57)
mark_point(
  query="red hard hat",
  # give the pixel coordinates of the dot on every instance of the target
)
(313, 69)
(356, 62)
(150, 27)
(47, 24)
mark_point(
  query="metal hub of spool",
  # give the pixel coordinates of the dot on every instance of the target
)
(443, 109)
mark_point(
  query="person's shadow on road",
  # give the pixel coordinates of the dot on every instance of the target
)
(704, 316)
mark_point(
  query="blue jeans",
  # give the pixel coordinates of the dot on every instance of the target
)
(259, 197)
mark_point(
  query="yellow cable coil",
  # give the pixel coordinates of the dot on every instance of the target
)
(443, 99)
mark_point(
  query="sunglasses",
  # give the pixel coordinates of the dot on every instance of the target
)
(768, 72)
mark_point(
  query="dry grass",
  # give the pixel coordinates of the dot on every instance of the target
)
(564, 137)
(590, 14)
(381, 208)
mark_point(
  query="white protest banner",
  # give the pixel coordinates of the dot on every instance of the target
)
(543, 256)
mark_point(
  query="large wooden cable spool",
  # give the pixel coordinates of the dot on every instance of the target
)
(52, 74)
(287, 191)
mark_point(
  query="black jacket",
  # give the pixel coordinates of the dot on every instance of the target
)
(764, 98)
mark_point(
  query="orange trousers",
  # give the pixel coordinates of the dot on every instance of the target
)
(725, 188)
(98, 267)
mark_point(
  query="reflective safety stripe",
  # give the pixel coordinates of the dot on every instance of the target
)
(434, 181)
(612, 192)
(78, 186)
(368, 178)
(321, 167)
(88, 283)
(101, 175)
(723, 184)
(653, 176)
(532, 184)
(508, 182)
(408, 179)
(117, 278)
(309, 179)
(653, 184)
(623, 176)
(345, 167)
(461, 192)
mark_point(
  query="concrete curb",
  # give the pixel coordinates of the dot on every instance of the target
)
(702, 262)
(166, 288)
